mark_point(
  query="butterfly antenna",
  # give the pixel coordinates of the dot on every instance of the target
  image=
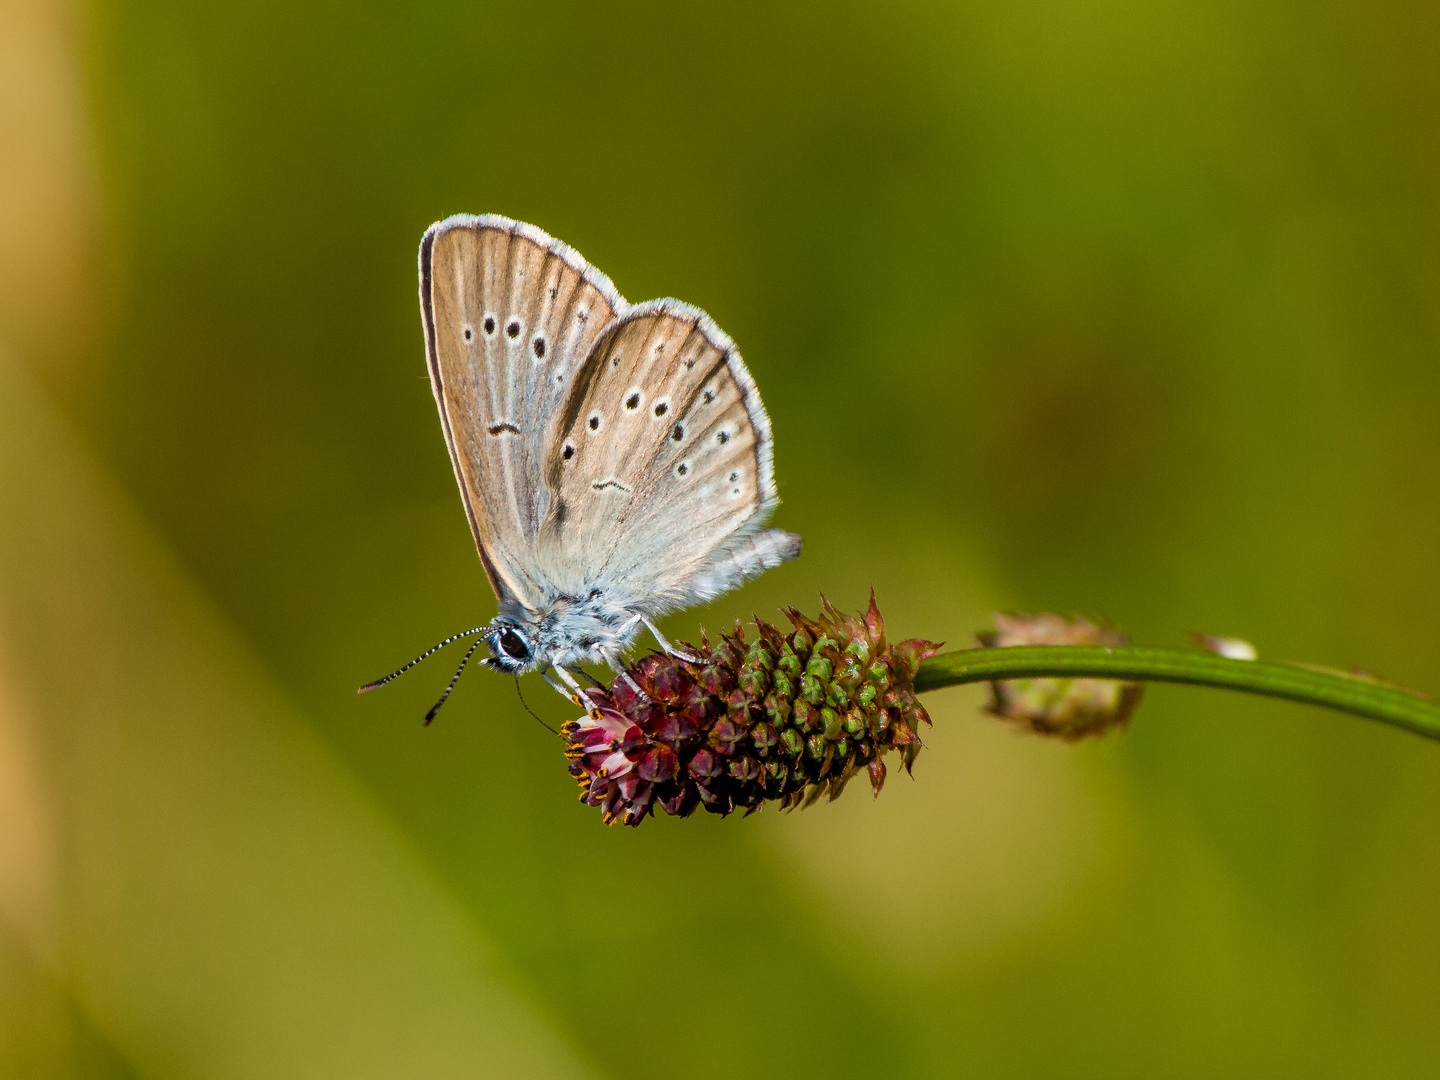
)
(434, 649)
(458, 672)
(531, 711)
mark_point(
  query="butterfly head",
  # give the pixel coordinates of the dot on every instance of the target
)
(513, 649)
(560, 631)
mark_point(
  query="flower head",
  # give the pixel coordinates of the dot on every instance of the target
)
(783, 716)
(1068, 709)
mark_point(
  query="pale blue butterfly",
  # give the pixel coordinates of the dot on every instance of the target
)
(614, 460)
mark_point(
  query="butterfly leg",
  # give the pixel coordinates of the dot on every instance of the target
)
(566, 694)
(654, 630)
(571, 689)
(618, 665)
(576, 694)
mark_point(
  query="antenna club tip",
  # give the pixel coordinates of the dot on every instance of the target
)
(370, 686)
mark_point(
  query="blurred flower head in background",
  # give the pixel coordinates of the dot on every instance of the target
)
(1067, 708)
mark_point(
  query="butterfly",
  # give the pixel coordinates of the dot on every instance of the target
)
(614, 459)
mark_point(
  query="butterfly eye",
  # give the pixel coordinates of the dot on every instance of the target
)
(514, 645)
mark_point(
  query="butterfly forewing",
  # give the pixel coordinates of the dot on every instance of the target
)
(661, 456)
(510, 316)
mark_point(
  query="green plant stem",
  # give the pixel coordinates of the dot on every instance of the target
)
(1332, 690)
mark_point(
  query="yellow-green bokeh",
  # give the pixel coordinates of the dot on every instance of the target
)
(1131, 309)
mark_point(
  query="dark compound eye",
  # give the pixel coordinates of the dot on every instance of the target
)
(513, 645)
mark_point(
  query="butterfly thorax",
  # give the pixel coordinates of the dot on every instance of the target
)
(563, 631)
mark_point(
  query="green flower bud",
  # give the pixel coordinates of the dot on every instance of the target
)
(752, 683)
(778, 709)
(819, 668)
(812, 690)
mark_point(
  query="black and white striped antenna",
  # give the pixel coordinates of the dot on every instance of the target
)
(424, 655)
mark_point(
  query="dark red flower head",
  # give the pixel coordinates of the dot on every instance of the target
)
(782, 717)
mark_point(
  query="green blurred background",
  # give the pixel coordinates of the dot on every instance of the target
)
(1123, 308)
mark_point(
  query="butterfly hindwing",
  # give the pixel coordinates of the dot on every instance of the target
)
(510, 315)
(660, 465)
